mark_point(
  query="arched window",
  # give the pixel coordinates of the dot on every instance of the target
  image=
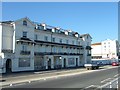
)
(25, 23)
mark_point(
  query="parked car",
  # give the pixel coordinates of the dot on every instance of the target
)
(115, 64)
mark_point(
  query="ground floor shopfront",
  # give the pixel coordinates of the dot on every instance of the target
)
(40, 62)
(56, 62)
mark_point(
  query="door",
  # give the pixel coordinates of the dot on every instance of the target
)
(64, 63)
(8, 66)
(76, 62)
(49, 64)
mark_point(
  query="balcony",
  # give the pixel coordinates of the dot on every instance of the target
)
(25, 52)
(24, 40)
(7, 51)
(57, 44)
(88, 47)
(55, 53)
(39, 53)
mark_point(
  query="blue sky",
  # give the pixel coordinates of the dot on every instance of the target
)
(99, 19)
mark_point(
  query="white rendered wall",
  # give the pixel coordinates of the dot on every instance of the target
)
(96, 50)
(7, 37)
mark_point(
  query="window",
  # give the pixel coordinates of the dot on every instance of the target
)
(24, 47)
(60, 40)
(46, 38)
(41, 27)
(25, 23)
(72, 42)
(87, 36)
(59, 49)
(36, 37)
(54, 49)
(67, 42)
(53, 39)
(71, 61)
(25, 34)
(24, 62)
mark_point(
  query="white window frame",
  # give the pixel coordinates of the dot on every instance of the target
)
(46, 38)
(25, 34)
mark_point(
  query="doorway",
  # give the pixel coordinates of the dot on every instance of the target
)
(64, 63)
(8, 66)
(76, 62)
(49, 64)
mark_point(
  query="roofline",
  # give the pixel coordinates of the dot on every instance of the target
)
(86, 35)
(96, 44)
(27, 19)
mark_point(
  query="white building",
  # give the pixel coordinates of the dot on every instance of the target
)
(107, 49)
(96, 50)
(27, 46)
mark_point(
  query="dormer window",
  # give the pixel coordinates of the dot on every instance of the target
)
(25, 23)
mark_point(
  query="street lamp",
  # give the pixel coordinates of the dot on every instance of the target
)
(60, 57)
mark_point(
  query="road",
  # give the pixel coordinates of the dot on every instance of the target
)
(75, 81)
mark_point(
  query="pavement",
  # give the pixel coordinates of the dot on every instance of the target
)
(7, 80)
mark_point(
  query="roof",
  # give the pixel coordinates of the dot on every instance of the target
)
(26, 19)
(96, 44)
(7, 22)
(82, 35)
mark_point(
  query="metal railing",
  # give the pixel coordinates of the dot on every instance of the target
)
(25, 52)
(113, 84)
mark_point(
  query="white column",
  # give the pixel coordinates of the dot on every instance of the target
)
(32, 57)
(78, 61)
(85, 55)
(62, 62)
(46, 63)
(52, 63)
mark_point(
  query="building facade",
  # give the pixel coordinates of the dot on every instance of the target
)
(26, 46)
(108, 49)
(96, 50)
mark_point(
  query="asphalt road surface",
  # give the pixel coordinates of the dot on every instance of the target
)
(76, 81)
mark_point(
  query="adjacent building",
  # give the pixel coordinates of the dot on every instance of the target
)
(108, 49)
(96, 50)
(27, 45)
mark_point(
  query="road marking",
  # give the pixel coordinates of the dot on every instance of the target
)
(56, 77)
(89, 86)
(116, 75)
(44, 78)
(110, 84)
(29, 81)
(105, 80)
(10, 84)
